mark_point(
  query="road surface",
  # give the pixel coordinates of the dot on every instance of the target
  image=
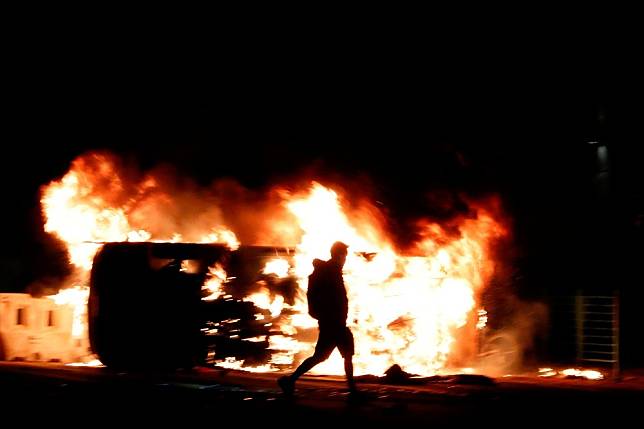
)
(88, 397)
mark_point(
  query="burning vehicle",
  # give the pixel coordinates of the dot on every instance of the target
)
(183, 274)
(143, 298)
(154, 305)
(157, 298)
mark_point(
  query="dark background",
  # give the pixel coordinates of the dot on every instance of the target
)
(413, 118)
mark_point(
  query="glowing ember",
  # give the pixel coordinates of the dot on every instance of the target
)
(279, 267)
(547, 372)
(589, 374)
(222, 235)
(255, 339)
(482, 321)
(93, 363)
(264, 301)
(571, 372)
(216, 278)
(232, 363)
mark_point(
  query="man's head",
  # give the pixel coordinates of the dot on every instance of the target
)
(339, 253)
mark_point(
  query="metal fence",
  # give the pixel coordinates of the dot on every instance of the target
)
(588, 327)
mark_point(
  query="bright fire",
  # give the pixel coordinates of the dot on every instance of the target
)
(572, 372)
(95, 363)
(93, 204)
(277, 266)
(403, 309)
(77, 298)
(409, 307)
(213, 285)
(587, 373)
(547, 372)
(482, 321)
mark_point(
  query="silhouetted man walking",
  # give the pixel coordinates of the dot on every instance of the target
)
(328, 303)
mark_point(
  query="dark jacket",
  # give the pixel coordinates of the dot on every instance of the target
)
(326, 293)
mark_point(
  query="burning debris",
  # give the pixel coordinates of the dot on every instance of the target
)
(415, 307)
(571, 373)
(577, 373)
(395, 375)
(94, 363)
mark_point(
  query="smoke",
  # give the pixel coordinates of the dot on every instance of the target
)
(513, 345)
(50, 285)
(258, 217)
(45, 286)
(517, 325)
(167, 205)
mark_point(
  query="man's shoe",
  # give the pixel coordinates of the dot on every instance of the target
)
(287, 385)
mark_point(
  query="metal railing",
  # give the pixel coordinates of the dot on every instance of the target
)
(597, 321)
(590, 325)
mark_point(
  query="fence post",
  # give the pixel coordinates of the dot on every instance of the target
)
(617, 373)
(579, 318)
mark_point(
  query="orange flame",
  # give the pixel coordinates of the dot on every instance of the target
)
(213, 285)
(94, 363)
(92, 204)
(404, 308)
(277, 266)
(224, 236)
(572, 372)
(482, 320)
(589, 374)
(76, 297)
(547, 372)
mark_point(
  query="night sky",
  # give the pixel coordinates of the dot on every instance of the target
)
(411, 126)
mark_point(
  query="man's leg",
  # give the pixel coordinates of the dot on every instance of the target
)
(346, 347)
(306, 366)
(348, 370)
(323, 349)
